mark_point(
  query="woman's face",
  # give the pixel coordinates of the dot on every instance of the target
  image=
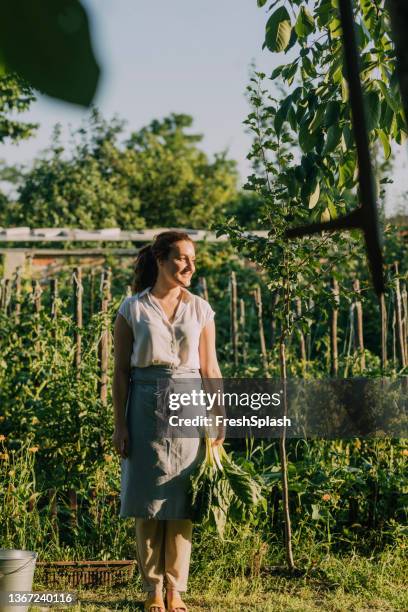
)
(179, 268)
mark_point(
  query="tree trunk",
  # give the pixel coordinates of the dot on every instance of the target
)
(258, 303)
(283, 460)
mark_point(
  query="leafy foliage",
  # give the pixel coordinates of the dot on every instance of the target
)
(48, 43)
(157, 177)
(15, 97)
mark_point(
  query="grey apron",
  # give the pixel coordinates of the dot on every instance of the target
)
(155, 477)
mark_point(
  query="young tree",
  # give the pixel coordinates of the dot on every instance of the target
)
(304, 152)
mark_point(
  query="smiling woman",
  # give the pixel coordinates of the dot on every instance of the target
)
(162, 331)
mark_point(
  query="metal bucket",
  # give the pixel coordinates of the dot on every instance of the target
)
(16, 574)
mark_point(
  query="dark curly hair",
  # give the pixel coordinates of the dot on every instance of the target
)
(146, 269)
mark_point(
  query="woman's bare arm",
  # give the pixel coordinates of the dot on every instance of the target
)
(123, 342)
(210, 369)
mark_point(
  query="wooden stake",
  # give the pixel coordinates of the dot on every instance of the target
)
(54, 298)
(404, 299)
(78, 292)
(91, 292)
(258, 302)
(37, 291)
(242, 329)
(6, 294)
(333, 330)
(310, 307)
(360, 333)
(274, 303)
(17, 310)
(398, 313)
(394, 336)
(383, 310)
(203, 287)
(302, 343)
(234, 319)
(103, 348)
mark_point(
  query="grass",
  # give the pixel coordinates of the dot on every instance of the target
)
(337, 583)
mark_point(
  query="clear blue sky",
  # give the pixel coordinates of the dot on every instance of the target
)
(180, 56)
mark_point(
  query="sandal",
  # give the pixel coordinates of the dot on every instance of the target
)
(154, 601)
(176, 603)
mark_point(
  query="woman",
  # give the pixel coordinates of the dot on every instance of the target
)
(162, 331)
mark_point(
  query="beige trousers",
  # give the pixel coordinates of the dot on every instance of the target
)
(163, 550)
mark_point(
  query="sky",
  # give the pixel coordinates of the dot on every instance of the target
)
(181, 56)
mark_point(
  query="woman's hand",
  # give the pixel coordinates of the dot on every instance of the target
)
(217, 441)
(120, 440)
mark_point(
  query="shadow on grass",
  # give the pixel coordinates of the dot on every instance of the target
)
(118, 604)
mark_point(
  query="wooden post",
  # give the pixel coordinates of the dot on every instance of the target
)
(394, 335)
(360, 332)
(258, 303)
(78, 292)
(5, 297)
(17, 310)
(274, 303)
(404, 299)
(310, 308)
(234, 318)
(37, 291)
(398, 314)
(302, 343)
(203, 287)
(54, 298)
(103, 348)
(91, 292)
(242, 329)
(383, 311)
(333, 330)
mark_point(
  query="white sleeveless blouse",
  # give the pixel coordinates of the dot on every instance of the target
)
(156, 341)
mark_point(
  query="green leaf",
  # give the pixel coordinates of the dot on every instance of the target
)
(278, 30)
(346, 172)
(333, 138)
(276, 72)
(318, 118)
(304, 23)
(261, 3)
(332, 113)
(335, 27)
(373, 107)
(48, 43)
(325, 216)
(314, 197)
(281, 114)
(385, 143)
(307, 140)
(332, 209)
